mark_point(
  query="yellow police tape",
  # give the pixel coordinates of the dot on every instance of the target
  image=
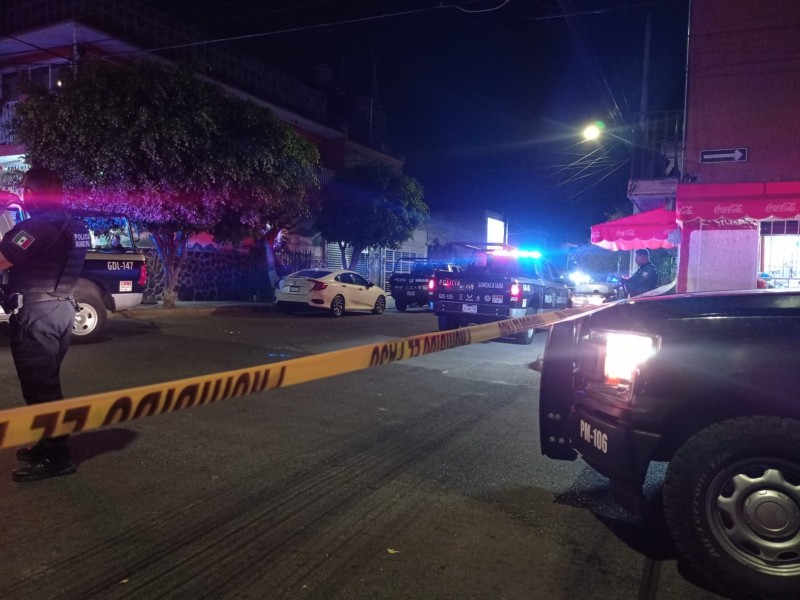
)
(29, 424)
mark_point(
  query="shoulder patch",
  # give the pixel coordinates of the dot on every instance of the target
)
(23, 239)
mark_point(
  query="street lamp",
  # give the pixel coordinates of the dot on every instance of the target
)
(593, 131)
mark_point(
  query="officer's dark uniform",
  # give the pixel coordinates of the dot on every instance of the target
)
(644, 280)
(47, 252)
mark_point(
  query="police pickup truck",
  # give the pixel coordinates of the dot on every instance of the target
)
(408, 284)
(114, 273)
(708, 383)
(498, 283)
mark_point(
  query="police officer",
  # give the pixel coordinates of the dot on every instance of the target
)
(44, 256)
(645, 278)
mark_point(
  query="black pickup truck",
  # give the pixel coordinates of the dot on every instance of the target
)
(114, 273)
(408, 284)
(498, 283)
(709, 383)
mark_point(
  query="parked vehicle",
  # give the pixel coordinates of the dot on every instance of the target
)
(336, 291)
(408, 285)
(114, 273)
(594, 293)
(708, 383)
(498, 283)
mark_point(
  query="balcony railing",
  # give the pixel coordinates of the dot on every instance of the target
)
(658, 143)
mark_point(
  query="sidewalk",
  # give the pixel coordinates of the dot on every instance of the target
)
(203, 307)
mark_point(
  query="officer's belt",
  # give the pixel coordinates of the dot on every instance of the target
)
(29, 297)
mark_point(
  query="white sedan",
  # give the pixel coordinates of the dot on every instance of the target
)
(337, 291)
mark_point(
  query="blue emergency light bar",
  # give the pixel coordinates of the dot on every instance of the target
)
(518, 253)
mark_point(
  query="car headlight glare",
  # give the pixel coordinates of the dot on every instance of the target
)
(624, 354)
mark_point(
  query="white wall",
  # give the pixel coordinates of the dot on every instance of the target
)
(722, 260)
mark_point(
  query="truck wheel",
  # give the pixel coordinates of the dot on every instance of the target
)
(732, 504)
(400, 305)
(525, 337)
(447, 322)
(90, 320)
(337, 306)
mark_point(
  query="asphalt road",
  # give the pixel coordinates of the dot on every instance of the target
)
(421, 479)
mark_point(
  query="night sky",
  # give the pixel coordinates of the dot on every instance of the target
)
(485, 103)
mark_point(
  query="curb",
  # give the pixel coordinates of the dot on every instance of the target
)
(157, 312)
(190, 308)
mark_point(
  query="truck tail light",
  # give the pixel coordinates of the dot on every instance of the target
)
(318, 285)
(431, 284)
(514, 291)
(143, 275)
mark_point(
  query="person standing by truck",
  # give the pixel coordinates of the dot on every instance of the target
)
(44, 256)
(645, 278)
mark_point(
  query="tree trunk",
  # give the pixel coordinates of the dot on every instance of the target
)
(171, 246)
(356, 256)
(343, 250)
(269, 249)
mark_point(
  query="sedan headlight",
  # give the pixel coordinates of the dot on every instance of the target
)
(622, 356)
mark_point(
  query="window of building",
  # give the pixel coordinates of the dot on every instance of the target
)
(780, 253)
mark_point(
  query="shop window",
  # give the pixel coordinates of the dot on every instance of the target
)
(780, 253)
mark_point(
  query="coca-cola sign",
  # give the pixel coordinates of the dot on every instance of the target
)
(685, 211)
(784, 207)
(729, 209)
(621, 233)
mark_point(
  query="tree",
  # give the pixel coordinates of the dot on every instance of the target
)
(370, 206)
(175, 152)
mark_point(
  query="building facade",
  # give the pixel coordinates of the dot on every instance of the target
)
(47, 40)
(729, 172)
(738, 203)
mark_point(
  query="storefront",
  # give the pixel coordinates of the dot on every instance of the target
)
(737, 233)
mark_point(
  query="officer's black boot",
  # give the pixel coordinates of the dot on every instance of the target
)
(29, 454)
(53, 460)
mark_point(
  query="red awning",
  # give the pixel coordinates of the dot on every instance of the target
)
(651, 229)
(736, 201)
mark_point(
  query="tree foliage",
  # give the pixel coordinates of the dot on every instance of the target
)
(370, 206)
(176, 153)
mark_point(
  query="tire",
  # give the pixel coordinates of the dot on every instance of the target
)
(400, 305)
(90, 320)
(337, 306)
(732, 505)
(380, 305)
(525, 337)
(447, 323)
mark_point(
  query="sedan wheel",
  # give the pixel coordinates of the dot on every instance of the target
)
(380, 305)
(337, 306)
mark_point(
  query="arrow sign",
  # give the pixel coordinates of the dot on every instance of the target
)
(724, 155)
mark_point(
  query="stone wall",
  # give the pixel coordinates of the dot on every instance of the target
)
(213, 275)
